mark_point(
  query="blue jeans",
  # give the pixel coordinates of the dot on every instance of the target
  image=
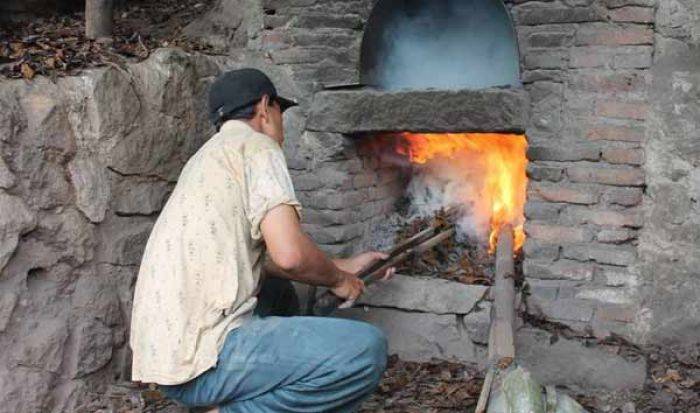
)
(291, 364)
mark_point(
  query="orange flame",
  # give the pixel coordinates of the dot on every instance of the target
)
(502, 162)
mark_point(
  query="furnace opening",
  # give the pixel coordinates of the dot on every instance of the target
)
(443, 44)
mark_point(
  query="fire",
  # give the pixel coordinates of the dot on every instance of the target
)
(500, 161)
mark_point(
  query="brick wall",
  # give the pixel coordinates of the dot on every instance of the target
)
(586, 65)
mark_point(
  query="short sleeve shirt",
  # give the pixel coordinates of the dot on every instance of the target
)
(201, 267)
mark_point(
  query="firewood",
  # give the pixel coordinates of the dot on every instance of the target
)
(502, 332)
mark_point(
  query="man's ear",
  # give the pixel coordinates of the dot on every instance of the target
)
(263, 106)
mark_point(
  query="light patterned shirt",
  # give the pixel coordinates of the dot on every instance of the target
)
(201, 266)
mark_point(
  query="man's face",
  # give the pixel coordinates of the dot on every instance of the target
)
(273, 126)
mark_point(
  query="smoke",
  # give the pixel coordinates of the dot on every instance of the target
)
(452, 183)
(440, 44)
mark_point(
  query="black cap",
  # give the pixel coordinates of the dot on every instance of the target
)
(237, 89)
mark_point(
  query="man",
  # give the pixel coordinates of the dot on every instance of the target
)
(193, 331)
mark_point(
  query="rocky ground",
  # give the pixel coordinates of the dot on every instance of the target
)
(56, 46)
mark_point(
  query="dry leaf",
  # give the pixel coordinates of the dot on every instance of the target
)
(27, 71)
(505, 362)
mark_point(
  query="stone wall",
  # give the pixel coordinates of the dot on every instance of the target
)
(86, 164)
(670, 240)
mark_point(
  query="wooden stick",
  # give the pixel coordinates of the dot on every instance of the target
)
(501, 341)
(502, 332)
(98, 18)
(485, 391)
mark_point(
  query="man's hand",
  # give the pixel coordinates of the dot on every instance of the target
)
(355, 264)
(349, 288)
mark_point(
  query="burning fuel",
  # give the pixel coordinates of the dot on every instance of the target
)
(483, 173)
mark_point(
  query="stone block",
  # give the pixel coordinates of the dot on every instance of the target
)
(92, 187)
(586, 57)
(139, 196)
(620, 313)
(544, 173)
(7, 178)
(542, 211)
(581, 215)
(121, 240)
(538, 250)
(571, 194)
(639, 57)
(609, 82)
(72, 235)
(632, 14)
(557, 234)
(307, 181)
(615, 236)
(542, 290)
(334, 200)
(562, 153)
(429, 295)
(623, 196)
(613, 4)
(370, 110)
(333, 38)
(335, 234)
(558, 270)
(604, 254)
(92, 350)
(538, 14)
(421, 336)
(546, 99)
(540, 75)
(562, 309)
(615, 296)
(545, 59)
(563, 362)
(625, 156)
(617, 276)
(622, 110)
(42, 345)
(548, 39)
(8, 301)
(364, 179)
(606, 176)
(339, 250)
(26, 389)
(15, 220)
(605, 34)
(326, 20)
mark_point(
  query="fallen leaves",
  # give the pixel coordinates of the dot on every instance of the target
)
(57, 46)
(27, 71)
(432, 387)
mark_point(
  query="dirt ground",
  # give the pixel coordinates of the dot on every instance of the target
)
(673, 386)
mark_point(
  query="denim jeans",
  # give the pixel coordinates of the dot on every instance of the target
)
(291, 364)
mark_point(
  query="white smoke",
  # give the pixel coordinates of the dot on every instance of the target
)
(443, 44)
(452, 183)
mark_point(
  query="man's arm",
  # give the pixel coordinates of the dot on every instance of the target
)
(299, 259)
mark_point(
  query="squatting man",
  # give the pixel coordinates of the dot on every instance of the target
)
(227, 241)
